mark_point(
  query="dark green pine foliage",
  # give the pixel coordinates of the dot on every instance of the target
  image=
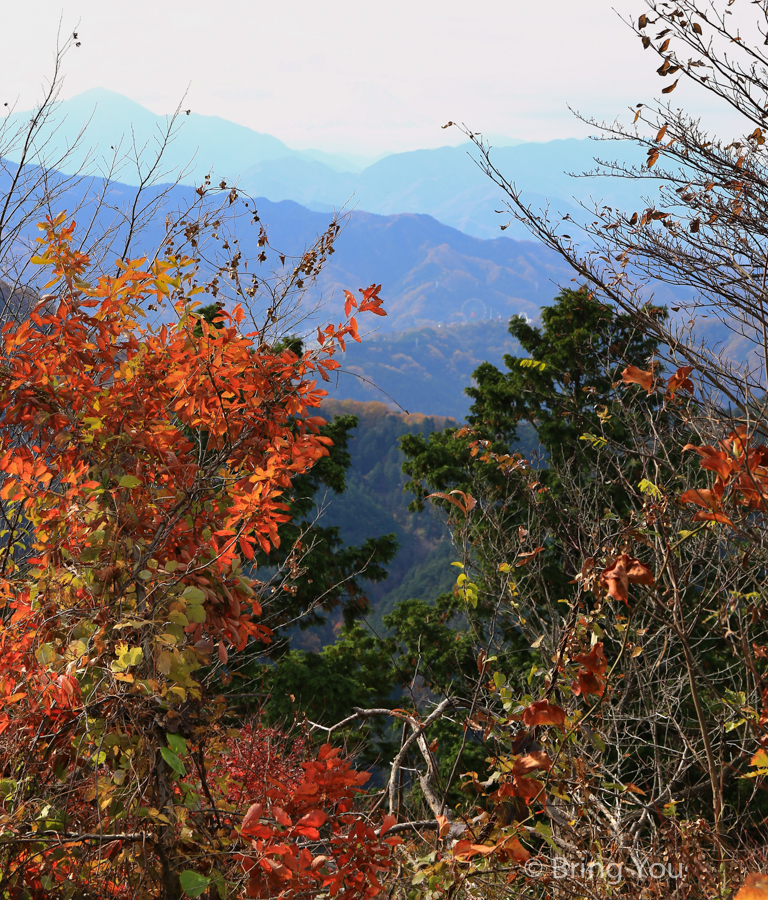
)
(554, 403)
(556, 407)
(565, 387)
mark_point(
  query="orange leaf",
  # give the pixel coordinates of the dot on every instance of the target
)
(511, 846)
(313, 819)
(538, 759)
(251, 818)
(621, 573)
(594, 662)
(524, 558)
(587, 683)
(388, 822)
(281, 817)
(245, 546)
(713, 517)
(759, 759)
(633, 375)
(468, 504)
(542, 712)
(680, 381)
(529, 789)
(466, 849)
(702, 497)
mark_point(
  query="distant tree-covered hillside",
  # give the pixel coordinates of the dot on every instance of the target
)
(423, 370)
(374, 504)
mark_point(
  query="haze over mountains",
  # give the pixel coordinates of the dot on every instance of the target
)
(444, 183)
(422, 224)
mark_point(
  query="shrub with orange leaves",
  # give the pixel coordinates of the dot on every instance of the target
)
(140, 468)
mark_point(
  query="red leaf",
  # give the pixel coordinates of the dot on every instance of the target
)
(587, 683)
(594, 662)
(281, 817)
(313, 819)
(245, 546)
(328, 752)
(388, 822)
(251, 818)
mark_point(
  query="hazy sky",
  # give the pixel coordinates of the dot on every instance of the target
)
(345, 75)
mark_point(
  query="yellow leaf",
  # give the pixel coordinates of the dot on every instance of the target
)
(126, 657)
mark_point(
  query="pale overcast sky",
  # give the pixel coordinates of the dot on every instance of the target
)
(344, 75)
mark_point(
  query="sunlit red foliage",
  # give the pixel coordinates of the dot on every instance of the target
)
(140, 469)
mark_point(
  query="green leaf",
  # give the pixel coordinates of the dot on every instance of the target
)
(129, 481)
(174, 762)
(196, 614)
(597, 442)
(177, 743)
(546, 832)
(194, 594)
(45, 654)
(7, 787)
(193, 883)
(732, 726)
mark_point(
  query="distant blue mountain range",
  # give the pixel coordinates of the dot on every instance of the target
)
(444, 183)
(420, 226)
(431, 274)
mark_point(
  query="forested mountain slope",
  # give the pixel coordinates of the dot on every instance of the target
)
(422, 370)
(374, 504)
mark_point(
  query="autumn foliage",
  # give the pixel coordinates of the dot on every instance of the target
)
(141, 469)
